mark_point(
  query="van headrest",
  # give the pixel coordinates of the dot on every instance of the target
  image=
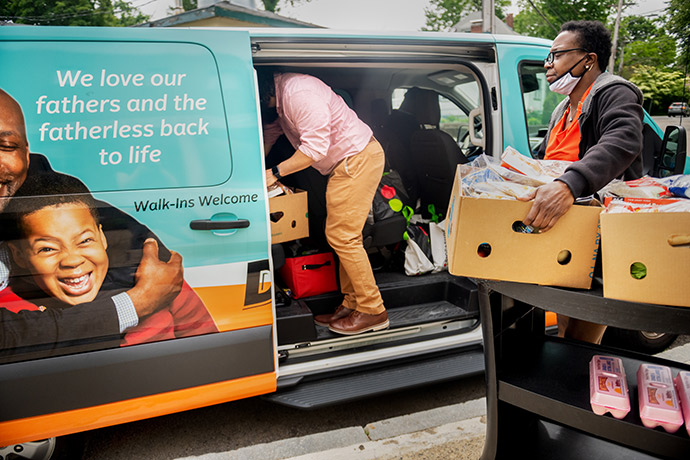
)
(423, 104)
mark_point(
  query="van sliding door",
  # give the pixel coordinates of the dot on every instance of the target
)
(161, 127)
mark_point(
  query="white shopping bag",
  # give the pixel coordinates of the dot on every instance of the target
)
(437, 234)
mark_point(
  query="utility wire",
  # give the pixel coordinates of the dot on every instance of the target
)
(543, 17)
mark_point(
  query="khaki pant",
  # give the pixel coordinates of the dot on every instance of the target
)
(349, 194)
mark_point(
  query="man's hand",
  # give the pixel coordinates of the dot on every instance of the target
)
(270, 178)
(156, 283)
(551, 201)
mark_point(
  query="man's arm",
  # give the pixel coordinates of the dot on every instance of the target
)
(93, 325)
(98, 322)
(619, 144)
(297, 162)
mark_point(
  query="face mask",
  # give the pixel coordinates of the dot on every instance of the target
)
(566, 83)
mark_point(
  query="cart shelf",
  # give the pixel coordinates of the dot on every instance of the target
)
(538, 385)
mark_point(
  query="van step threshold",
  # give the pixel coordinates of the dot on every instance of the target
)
(414, 315)
(337, 390)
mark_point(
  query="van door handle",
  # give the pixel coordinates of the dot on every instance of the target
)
(208, 224)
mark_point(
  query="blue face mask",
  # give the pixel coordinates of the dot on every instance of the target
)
(566, 83)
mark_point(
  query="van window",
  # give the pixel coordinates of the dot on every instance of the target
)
(539, 102)
(133, 120)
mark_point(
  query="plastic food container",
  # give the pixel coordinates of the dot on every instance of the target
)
(608, 388)
(683, 389)
(658, 401)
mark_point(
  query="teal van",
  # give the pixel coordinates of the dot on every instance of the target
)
(162, 128)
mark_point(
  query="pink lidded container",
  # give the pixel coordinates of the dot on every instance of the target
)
(683, 389)
(658, 401)
(608, 388)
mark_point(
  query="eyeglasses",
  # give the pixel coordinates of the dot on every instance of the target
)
(550, 57)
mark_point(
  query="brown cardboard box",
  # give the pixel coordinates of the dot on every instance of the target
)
(476, 224)
(643, 237)
(289, 217)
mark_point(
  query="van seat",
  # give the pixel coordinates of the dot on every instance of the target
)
(434, 152)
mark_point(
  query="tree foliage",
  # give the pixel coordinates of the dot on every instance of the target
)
(106, 13)
(643, 41)
(274, 5)
(660, 87)
(543, 18)
(441, 15)
(678, 24)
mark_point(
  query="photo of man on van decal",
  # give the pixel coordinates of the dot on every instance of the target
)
(135, 294)
(59, 250)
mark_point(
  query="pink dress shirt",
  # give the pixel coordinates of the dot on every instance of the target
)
(316, 121)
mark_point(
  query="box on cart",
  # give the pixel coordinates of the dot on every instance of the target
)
(641, 261)
(289, 217)
(485, 239)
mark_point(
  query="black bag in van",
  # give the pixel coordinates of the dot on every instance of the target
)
(390, 198)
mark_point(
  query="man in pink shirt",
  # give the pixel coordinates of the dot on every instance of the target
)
(327, 135)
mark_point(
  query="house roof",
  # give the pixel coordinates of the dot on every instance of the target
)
(226, 14)
(465, 24)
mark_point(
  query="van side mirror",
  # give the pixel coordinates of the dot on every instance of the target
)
(529, 82)
(672, 157)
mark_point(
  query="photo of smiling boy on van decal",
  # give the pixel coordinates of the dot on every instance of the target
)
(59, 254)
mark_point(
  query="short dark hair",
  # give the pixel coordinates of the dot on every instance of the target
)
(266, 81)
(41, 191)
(594, 37)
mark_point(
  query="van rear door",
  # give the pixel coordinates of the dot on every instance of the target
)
(161, 125)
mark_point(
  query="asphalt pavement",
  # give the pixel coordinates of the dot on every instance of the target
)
(451, 432)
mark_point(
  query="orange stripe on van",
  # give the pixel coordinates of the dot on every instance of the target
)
(226, 305)
(90, 418)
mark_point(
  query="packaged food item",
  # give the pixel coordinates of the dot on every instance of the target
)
(278, 189)
(541, 171)
(683, 389)
(644, 187)
(608, 387)
(678, 185)
(657, 396)
(631, 204)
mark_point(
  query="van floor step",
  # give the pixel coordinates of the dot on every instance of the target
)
(325, 392)
(413, 315)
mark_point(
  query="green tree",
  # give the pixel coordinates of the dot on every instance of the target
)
(274, 7)
(660, 87)
(543, 18)
(678, 23)
(441, 15)
(188, 5)
(107, 13)
(643, 42)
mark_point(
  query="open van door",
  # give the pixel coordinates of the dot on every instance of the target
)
(162, 127)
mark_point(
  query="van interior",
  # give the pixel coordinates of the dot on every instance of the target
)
(428, 119)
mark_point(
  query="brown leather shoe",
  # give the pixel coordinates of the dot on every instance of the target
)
(325, 320)
(357, 323)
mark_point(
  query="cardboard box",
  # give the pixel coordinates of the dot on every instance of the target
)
(643, 238)
(289, 217)
(481, 243)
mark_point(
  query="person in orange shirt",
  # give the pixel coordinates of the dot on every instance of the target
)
(598, 127)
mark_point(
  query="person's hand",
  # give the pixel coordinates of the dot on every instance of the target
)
(551, 201)
(157, 283)
(270, 178)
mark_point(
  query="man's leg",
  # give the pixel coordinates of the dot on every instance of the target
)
(349, 195)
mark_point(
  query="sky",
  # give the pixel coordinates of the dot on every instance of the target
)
(379, 15)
